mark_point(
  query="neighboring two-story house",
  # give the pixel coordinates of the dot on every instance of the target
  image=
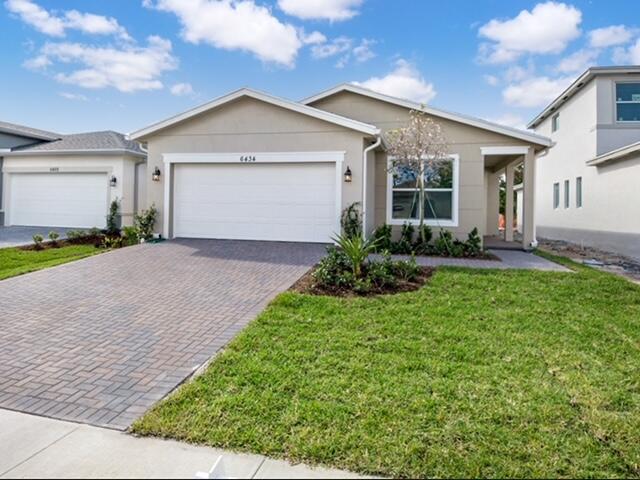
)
(588, 182)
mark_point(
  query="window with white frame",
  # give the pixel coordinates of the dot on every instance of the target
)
(556, 195)
(567, 198)
(441, 194)
(579, 192)
(628, 102)
(555, 122)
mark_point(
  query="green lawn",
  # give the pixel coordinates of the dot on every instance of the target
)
(479, 374)
(14, 261)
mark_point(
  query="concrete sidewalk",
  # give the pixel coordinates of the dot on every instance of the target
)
(37, 447)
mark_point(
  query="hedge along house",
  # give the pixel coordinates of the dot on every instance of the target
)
(70, 180)
(256, 167)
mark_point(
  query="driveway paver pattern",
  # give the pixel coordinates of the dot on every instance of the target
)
(101, 340)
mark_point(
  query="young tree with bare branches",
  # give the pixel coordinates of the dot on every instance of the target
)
(420, 146)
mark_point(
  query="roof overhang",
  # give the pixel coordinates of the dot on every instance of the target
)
(104, 151)
(264, 97)
(35, 135)
(456, 117)
(577, 85)
(615, 155)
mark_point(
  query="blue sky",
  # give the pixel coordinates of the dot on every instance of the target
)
(72, 66)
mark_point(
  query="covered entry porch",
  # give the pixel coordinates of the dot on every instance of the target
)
(500, 166)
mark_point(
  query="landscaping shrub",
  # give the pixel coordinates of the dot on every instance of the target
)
(113, 228)
(422, 245)
(54, 236)
(130, 236)
(37, 241)
(382, 237)
(473, 245)
(357, 251)
(145, 222)
(334, 270)
(351, 221)
(404, 246)
(111, 242)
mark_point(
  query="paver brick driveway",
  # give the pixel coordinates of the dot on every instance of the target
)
(101, 340)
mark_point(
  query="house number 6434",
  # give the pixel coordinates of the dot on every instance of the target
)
(246, 159)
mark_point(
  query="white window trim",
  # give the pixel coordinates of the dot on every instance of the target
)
(625, 102)
(432, 223)
(170, 159)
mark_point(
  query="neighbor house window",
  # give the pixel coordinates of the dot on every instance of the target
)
(555, 122)
(556, 195)
(628, 102)
(441, 194)
(579, 192)
(566, 194)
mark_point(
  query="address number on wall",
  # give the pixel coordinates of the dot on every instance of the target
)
(247, 159)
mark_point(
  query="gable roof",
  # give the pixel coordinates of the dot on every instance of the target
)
(264, 97)
(580, 82)
(456, 117)
(22, 131)
(107, 142)
(615, 155)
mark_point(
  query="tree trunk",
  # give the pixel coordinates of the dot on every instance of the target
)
(421, 206)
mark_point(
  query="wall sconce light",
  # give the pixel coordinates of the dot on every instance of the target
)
(348, 176)
(113, 181)
(155, 176)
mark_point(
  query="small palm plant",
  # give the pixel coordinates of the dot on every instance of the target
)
(357, 250)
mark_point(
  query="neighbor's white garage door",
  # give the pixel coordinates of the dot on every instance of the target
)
(58, 199)
(282, 202)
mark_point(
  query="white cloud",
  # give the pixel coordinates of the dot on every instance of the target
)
(56, 26)
(578, 61)
(492, 80)
(628, 56)
(95, 24)
(74, 96)
(332, 48)
(344, 46)
(127, 69)
(609, 36)
(547, 28)
(333, 10)
(363, 52)
(535, 92)
(312, 38)
(404, 82)
(517, 73)
(182, 89)
(37, 17)
(235, 25)
(510, 120)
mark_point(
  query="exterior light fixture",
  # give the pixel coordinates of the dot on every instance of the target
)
(113, 181)
(348, 176)
(156, 175)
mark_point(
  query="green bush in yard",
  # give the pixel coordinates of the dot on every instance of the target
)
(382, 237)
(351, 221)
(357, 250)
(54, 236)
(334, 270)
(145, 222)
(112, 219)
(473, 245)
(37, 240)
(130, 236)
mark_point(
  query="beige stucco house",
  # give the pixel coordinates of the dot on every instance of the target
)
(54, 180)
(253, 166)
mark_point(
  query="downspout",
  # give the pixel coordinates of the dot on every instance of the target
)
(371, 147)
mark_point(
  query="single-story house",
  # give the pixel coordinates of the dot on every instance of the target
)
(252, 166)
(54, 180)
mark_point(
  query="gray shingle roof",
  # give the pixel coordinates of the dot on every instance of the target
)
(86, 142)
(28, 132)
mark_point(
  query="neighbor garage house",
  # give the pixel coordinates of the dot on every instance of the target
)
(58, 180)
(256, 167)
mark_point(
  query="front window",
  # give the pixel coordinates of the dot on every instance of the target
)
(556, 195)
(566, 194)
(628, 102)
(440, 193)
(579, 192)
(555, 122)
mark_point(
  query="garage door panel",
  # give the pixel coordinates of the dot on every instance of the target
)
(58, 199)
(286, 202)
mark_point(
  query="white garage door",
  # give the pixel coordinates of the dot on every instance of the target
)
(280, 202)
(58, 199)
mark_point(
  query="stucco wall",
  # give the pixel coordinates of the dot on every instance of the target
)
(466, 141)
(610, 194)
(120, 166)
(250, 126)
